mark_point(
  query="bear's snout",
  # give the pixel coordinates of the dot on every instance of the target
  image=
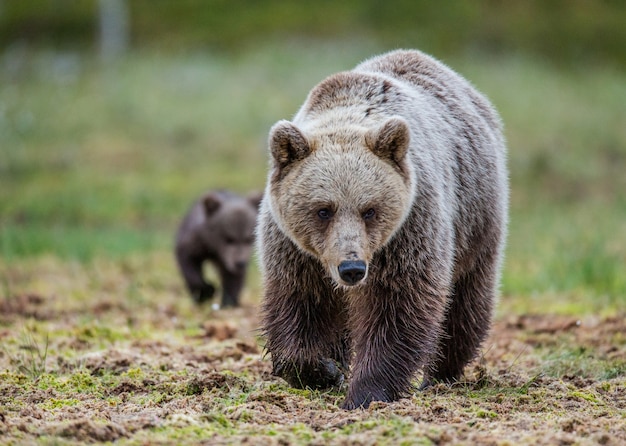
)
(352, 271)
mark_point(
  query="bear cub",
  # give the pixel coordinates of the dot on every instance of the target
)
(219, 228)
(382, 229)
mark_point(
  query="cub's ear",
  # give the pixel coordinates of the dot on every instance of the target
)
(254, 198)
(390, 141)
(287, 144)
(211, 203)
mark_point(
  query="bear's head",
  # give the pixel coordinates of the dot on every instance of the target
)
(229, 228)
(341, 195)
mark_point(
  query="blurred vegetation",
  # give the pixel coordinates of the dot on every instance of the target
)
(563, 31)
(102, 160)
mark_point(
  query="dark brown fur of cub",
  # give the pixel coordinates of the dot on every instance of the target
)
(219, 228)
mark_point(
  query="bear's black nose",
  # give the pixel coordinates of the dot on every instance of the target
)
(351, 271)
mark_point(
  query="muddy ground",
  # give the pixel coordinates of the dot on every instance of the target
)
(107, 366)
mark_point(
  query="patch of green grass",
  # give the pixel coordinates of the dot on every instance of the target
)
(390, 429)
(613, 369)
(9, 377)
(75, 383)
(486, 413)
(181, 430)
(82, 381)
(566, 259)
(586, 396)
(581, 362)
(134, 374)
(56, 403)
(78, 242)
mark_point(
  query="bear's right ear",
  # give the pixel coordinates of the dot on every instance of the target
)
(287, 144)
(211, 203)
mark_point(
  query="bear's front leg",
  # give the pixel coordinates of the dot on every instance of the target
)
(395, 334)
(305, 332)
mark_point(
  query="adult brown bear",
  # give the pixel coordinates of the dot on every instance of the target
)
(382, 229)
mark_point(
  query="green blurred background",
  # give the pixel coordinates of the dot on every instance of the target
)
(115, 115)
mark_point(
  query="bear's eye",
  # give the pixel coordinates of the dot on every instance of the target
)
(325, 214)
(369, 214)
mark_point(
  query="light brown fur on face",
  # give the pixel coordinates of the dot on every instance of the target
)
(324, 180)
(382, 229)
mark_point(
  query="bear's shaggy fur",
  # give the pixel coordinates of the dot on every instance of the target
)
(219, 228)
(382, 229)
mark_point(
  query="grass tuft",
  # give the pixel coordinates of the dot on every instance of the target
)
(32, 355)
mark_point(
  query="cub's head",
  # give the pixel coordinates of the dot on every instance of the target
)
(229, 227)
(340, 196)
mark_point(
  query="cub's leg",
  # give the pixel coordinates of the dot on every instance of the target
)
(232, 284)
(191, 270)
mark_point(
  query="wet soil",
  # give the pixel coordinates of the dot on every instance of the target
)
(163, 372)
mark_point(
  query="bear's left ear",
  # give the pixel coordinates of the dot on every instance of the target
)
(391, 141)
(211, 203)
(287, 144)
(255, 198)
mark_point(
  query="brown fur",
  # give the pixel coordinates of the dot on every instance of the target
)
(219, 228)
(382, 229)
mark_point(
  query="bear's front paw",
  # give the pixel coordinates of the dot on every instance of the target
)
(323, 375)
(204, 293)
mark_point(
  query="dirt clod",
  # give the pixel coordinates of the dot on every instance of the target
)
(88, 430)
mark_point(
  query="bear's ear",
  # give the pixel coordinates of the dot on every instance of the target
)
(211, 203)
(390, 141)
(287, 144)
(254, 198)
